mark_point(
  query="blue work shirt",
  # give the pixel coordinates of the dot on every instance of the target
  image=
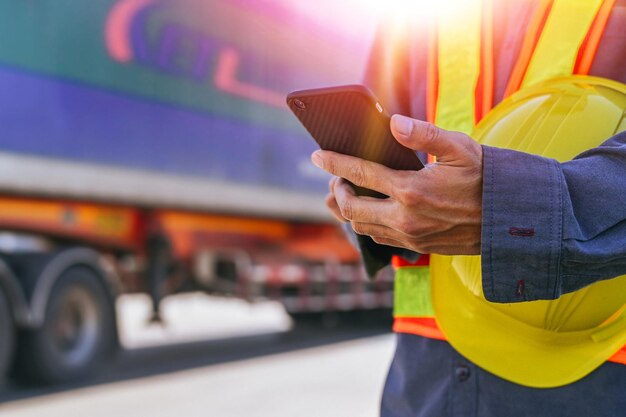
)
(428, 378)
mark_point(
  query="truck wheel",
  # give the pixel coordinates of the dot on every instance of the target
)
(77, 335)
(7, 336)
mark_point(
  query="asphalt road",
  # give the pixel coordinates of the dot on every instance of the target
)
(225, 358)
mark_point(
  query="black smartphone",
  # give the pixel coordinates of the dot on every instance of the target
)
(350, 120)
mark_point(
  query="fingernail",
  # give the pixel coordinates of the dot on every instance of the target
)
(403, 124)
(317, 160)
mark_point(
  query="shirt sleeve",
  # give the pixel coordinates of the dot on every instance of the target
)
(550, 228)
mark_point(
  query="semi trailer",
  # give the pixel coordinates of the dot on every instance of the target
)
(145, 146)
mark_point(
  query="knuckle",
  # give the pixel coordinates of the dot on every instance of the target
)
(408, 194)
(432, 133)
(405, 225)
(357, 174)
(358, 228)
(396, 223)
(412, 226)
(330, 165)
(346, 209)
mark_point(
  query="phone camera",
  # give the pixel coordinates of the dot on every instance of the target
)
(299, 104)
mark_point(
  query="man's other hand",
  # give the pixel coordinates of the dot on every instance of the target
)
(435, 210)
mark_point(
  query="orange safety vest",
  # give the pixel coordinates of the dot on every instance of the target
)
(447, 111)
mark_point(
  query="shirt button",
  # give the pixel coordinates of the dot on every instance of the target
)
(462, 373)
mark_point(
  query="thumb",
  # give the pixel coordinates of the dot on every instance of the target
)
(426, 137)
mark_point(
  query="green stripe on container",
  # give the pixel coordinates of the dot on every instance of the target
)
(412, 292)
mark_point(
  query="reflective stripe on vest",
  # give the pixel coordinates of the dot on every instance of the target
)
(555, 54)
(564, 32)
(459, 66)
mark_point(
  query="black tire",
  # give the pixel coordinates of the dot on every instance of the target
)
(78, 333)
(7, 336)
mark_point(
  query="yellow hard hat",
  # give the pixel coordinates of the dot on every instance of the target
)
(538, 343)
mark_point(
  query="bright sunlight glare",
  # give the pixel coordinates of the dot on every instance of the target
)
(413, 8)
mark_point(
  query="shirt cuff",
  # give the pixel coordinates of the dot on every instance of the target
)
(522, 226)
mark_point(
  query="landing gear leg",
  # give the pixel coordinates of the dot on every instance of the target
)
(159, 259)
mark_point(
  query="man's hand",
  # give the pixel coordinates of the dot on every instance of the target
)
(435, 210)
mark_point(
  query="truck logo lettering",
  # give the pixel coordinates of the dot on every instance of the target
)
(179, 51)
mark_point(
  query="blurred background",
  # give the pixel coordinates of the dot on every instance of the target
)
(164, 245)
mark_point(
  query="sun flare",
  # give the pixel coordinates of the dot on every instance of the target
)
(411, 9)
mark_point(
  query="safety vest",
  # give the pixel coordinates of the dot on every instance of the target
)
(561, 40)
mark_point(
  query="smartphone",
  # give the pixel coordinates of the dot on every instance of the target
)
(350, 120)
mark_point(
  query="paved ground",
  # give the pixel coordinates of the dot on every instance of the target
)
(228, 359)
